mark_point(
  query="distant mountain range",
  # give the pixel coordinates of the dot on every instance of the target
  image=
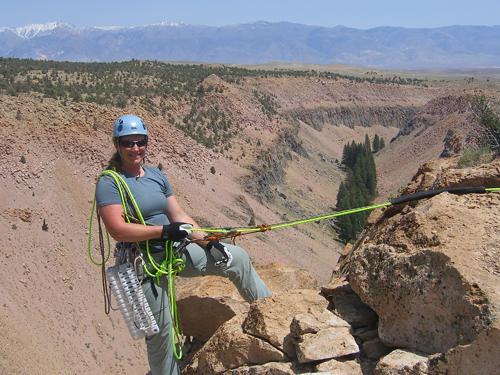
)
(452, 47)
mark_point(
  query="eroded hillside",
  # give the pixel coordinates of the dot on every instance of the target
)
(238, 147)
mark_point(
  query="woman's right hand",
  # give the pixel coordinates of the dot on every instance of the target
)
(176, 231)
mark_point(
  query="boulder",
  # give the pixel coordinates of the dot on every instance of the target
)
(270, 318)
(281, 277)
(315, 321)
(347, 304)
(217, 299)
(321, 335)
(481, 357)
(336, 367)
(401, 362)
(271, 368)
(231, 348)
(374, 348)
(328, 343)
(431, 269)
(220, 301)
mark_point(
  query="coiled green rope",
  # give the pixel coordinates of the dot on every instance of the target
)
(169, 267)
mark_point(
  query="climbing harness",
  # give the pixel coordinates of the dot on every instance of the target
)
(218, 233)
(123, 279)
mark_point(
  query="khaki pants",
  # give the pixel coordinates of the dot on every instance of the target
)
(199, 262)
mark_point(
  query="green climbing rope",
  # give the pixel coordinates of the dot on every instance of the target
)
(226, 232)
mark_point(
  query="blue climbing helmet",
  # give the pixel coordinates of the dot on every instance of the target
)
(129, 124)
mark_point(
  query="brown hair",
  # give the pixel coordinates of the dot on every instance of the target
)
(115, 163)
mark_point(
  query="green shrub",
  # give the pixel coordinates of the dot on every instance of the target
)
(474, 156)
(268, 103)
(491, 122)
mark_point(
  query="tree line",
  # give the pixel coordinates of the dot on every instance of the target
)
(116, 83)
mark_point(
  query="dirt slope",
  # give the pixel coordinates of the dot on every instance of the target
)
(51, 311)
(422, 139)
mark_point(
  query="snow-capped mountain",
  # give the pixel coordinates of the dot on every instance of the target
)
(31, 31)
(260, 42)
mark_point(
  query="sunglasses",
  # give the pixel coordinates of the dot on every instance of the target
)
(130, 144)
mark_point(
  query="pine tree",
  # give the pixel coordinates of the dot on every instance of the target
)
(358, 189)
(346, 155)
(382, 143)
(368, 143)
(371, 177)
(376, 143)
(344, 222)
(358, 220)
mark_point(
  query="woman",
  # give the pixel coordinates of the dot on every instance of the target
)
(166, 220)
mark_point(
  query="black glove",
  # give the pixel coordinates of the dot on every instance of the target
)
(176, 231)
(220, 253)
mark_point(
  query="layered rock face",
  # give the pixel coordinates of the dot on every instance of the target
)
(351, 116)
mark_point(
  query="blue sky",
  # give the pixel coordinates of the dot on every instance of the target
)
(353, 13)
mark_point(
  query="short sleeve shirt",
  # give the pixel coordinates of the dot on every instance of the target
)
(150, 192)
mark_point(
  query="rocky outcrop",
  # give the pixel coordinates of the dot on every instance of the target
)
(215, 296)
(287, 333)
(347, 304)
(436, 109)
(454, 120)
(220, 301)
(452, 144)
(231, 348)
(322, 335)
(442, 173)
(354, 116)
(417, 295)
(401, 362)
(270, 318)
(431, 270)
(452, 109)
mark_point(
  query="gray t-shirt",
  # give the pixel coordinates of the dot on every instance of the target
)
(150, 192)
